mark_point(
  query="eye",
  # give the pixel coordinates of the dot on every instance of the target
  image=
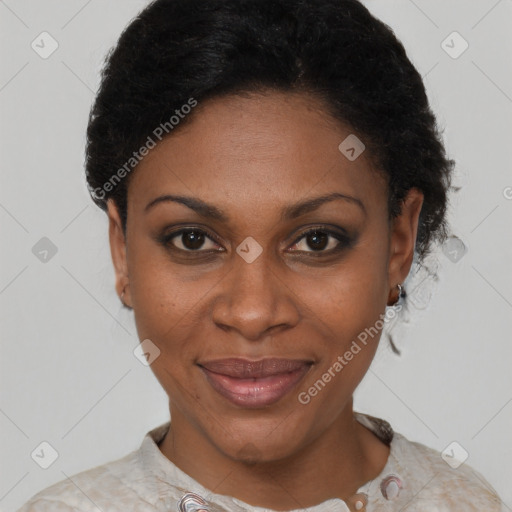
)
(190, 240)
(315, 240)
(321, 240)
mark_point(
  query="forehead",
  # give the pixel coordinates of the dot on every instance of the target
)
(259, 150)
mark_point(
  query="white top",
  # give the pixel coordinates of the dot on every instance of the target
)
(415, 479)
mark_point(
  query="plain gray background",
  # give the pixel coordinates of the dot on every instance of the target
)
(68, 373)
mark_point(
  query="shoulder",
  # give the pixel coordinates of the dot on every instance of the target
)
(89, 490)
(135, 482)
(440, 482)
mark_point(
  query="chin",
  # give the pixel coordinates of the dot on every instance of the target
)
(269, 444)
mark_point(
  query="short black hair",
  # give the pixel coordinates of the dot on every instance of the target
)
(180, 51)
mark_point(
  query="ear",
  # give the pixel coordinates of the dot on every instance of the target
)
(118, 252)
(404, 230)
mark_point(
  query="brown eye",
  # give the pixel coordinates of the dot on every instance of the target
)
(190, 240)
(317, 240)
(320, 240)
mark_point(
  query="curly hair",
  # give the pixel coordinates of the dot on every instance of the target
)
(175, 50)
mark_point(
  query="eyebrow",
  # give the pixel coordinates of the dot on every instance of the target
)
(289, 212)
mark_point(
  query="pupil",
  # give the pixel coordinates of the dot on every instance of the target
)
(193, 239)
(319, 240)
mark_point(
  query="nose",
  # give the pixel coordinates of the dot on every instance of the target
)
(255, 299)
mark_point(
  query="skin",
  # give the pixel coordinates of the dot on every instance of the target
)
(252, 156)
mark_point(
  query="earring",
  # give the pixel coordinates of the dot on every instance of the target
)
(122, 297)
(400, 294)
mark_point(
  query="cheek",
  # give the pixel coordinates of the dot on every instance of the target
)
(165, 313)
(349, 315)
(160, 297)
(354, 294)
(160, 309)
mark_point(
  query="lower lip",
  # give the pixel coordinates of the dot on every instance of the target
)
(255, 393)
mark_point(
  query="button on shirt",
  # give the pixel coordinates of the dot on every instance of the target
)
(414, 479)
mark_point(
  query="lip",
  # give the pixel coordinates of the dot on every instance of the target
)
(254, 384)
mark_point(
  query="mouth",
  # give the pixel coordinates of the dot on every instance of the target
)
(254, 384)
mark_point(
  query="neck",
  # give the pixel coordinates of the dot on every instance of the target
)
(334, 465)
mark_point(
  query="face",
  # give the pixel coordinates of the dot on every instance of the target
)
(278, 255)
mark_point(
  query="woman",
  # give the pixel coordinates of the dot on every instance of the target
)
(270, 169)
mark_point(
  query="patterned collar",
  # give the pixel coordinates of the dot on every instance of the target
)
(187, 495)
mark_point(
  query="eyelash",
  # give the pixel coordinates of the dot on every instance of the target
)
(344, 241)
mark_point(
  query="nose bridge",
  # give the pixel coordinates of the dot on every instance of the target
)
(253, 274)
(253, 299)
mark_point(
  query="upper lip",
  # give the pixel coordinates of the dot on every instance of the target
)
(247, 369)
